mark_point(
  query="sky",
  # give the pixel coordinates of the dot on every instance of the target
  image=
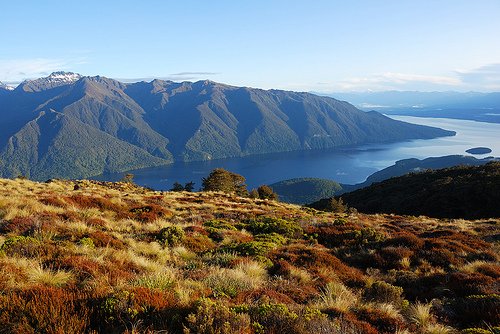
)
(303, 45)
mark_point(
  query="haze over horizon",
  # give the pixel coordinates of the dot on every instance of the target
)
(327, 46)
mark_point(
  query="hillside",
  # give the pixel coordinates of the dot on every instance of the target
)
(413, 165)
(95, 257)
(458, 192)
(305, 190)
(149, 124)
(308, 190)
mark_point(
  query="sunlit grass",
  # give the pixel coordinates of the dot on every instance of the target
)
(39, 275)
(337, 296)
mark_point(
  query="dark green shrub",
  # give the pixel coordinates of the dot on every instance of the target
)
(212, 317)
(273, 238)
(22, 246)
(218, 225)
(171, 235)
(87, 242)
(274, 318)
(275, 225)
(253, 248)
(368, 235)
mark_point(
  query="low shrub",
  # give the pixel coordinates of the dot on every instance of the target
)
(22, 246)
(274, 318)
(198, 243)
(44, 310)
(148, 213)
(405, 239)
(384, 323)
(382, 292)
(275, 225)
(86, 242)
(211, 317)
(171, 235)
(464, 285)
(252, 248)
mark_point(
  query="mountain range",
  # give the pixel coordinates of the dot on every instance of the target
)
(72, 126)
(482, 107)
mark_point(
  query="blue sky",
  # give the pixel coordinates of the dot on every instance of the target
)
(428, 45)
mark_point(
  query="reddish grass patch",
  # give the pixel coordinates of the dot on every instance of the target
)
(405, 239)
(198, 243)
(44, 310)
(380, 320)
(315, 259)
(103, 239)
(262, 296)
(148, 213)
(54, 201)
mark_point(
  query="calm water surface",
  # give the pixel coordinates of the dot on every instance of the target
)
(348, 165)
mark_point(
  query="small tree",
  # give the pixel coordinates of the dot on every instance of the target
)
(128, 178)
(266, 192)
(177, 187)
(223, 180)
(189, 186)
(336, 205)
(253, 194)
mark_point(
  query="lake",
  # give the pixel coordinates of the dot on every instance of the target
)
(346, 165)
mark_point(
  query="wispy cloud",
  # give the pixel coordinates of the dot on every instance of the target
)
(392, 80)
(193, 73)
(17, 70)
(14, 71)
(487, 76)
(181, 76)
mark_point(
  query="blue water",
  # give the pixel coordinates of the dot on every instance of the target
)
(347, 165)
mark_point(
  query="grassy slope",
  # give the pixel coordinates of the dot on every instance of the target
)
(82, 256)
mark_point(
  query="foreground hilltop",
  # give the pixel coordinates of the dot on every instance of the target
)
(72, 126)
(87, 256)
(457, 192)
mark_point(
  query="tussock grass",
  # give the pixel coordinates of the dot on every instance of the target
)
(420, 314)
(438, 329)
(161, 280)
(39, 275)
(337, 296)
(56, 239)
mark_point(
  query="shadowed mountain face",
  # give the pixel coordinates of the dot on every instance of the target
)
(66, 125)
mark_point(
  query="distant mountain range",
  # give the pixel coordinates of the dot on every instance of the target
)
(484, 107)
(72, 126)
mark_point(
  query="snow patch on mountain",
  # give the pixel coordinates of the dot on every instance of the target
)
(64, 77)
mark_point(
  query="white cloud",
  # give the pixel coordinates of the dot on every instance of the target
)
(14, 71)
(487, 76)
(181, 76)
(392, 80)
